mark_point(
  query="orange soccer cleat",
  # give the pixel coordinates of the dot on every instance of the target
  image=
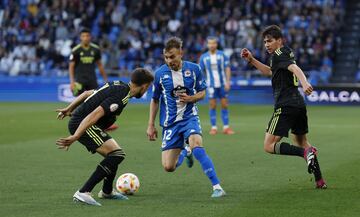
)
(228, 131)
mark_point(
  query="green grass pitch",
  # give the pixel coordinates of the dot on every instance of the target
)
(37, 180)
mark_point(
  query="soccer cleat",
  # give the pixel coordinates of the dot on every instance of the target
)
(228, 131)
(213, 131)
(112, 128)
(189, 157)
(190, 160)
(218, 193)
(321, 184)
(85, 198)
(114, 196)
(309, 156)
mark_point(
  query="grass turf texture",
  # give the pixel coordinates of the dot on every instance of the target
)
(39, 180)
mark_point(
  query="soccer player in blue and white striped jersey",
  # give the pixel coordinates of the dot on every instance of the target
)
(216, 65)
(178, 86)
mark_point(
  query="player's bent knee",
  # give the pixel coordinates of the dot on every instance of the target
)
(169, 168)
(269, 148)
(117, 156)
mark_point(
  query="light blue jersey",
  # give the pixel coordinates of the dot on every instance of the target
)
(214, 65)
(169, 83)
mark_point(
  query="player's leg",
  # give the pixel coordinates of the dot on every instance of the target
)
(195, 143)
(106, 170)
(173, 152)
(225, 115)
(169, 159)
(312, 159)
(96, 140)
(212, 114)
(212, 110)
(192, 133)
(278, 127)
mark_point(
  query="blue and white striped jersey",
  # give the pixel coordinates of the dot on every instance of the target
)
(214, 65)
(168, 84)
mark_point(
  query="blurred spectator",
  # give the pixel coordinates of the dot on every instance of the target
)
(38, 34)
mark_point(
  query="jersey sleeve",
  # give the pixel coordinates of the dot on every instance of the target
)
(74, 56)
(202, 64)
(156, 87)
(226, 61)
(283, 58)
(111, 105)
(200, 81)
(97, 55)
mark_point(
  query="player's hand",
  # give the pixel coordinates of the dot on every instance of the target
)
(246, 54)
(308, 89)
(64, 143)
(62, 113)
(227, 86)
(185, 98)
(152, 133)
(72, 86)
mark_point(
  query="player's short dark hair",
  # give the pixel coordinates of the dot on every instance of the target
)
(141, 76)
(273, 31)
(84, 30)
(173, 42)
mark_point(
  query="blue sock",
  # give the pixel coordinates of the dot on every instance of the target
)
(225, 116)
(206, 164)
(182, 155)
(212, 114)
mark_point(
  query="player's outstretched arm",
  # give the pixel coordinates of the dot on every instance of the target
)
(78, 100)
(89, 120)
(302, 78)
(151, 130)
(247, 55)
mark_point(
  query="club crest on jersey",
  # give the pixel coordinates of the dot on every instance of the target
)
(187, 73)
(114, 107)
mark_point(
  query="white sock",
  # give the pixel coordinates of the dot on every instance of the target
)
(225, 127)
(217, 186)
(214, 127)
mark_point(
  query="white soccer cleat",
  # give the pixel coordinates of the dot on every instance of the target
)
(218, 193)
(114, 195)
(85, 198)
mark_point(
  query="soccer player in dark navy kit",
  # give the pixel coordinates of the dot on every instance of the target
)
(91, 113)
(83, 60)
(290, 109)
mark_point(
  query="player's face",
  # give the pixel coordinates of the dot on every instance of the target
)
(85, 38)
(212, 45)
(173, 58)
(142, 90)
(271, 44)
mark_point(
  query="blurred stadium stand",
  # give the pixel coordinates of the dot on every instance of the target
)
(37, 35)
(347, 63)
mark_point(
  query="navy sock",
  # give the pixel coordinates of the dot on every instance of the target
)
(287, 149)
(106, 168)
(206, 164)
(212, 114)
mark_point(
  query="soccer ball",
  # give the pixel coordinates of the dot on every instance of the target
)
(128, 183)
